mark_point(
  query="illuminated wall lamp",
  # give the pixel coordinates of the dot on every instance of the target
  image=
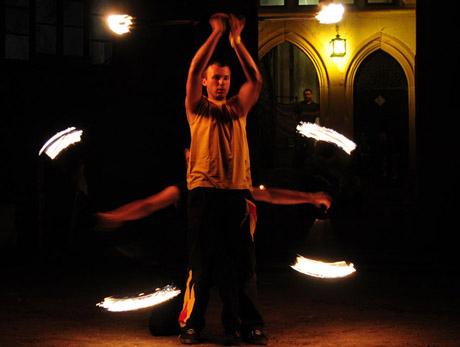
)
(339, 45)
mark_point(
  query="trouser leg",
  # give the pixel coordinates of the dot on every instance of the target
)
(199, 279)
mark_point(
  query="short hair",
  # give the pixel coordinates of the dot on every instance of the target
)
(308, 90)
(218, 62)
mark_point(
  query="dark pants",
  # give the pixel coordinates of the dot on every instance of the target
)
(221, 253)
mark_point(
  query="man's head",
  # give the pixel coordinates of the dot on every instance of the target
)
(216, 79)
(308, 95)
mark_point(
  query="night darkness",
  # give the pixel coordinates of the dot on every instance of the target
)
(133, 117)
(131, 110)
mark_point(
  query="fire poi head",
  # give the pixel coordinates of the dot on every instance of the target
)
(330, 13)
(120, 23)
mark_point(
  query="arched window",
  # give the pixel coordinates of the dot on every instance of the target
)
(287, 72)
(381, 118)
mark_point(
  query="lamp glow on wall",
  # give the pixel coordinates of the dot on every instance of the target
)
(338, 45)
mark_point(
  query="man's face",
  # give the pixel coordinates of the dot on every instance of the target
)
(217, 81)
(308, 96)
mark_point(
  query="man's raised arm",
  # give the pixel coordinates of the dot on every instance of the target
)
(250, 90)
(201, 59)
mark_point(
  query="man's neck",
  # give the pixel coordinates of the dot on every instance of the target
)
(217, 102)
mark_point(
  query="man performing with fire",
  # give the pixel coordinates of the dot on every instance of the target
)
(163, 319)
(221, 252)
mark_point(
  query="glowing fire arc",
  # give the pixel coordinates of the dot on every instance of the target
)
(61, 141)
(325, 134)
(321, 269)
(139, 301)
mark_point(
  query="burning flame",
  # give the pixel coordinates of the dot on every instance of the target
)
(120, 23)
(321, 269)
(140, 301)
(324, 134)
(60, 141)
(330, 14)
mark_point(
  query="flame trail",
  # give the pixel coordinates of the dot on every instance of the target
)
(321, 269)
(324, 134)
(142, 300)
(60, 141)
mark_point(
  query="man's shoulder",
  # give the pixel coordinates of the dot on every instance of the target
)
(235, 104)
(197, 108)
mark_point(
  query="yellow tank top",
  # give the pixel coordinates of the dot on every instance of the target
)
(219, 154)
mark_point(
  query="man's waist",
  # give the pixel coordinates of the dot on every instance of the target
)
(194, 184)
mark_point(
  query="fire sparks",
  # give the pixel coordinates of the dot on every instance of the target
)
(321, 269)
(330, 14)
(120, 23)
(324, 134)
(140, 301)
(60, 141)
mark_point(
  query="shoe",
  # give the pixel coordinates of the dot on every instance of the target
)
(255, 336)
(232, 339)
(189, 337)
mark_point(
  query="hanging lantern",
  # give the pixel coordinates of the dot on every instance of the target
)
(338, 45)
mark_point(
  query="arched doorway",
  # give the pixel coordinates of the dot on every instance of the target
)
(381, 122)
(287, 71)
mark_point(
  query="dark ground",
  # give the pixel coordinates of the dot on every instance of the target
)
(399, 296)
(374, 307)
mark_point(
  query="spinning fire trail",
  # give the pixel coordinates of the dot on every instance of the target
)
(312, 267)
(140, 301)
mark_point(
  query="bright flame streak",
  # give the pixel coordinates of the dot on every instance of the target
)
(331, 14)
(54, 137)
(321, 269)
(140, 301)
(63, 142)
(120, 23)
(60, 141)
(324, 134)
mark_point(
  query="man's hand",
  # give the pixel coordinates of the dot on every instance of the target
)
(236, 27)
(218, 22)
(322, 200)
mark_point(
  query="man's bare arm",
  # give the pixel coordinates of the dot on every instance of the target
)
(201, 59)
(281, 196)
(138, 209)
(250, 90)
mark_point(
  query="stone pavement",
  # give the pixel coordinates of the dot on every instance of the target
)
(402, 305)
